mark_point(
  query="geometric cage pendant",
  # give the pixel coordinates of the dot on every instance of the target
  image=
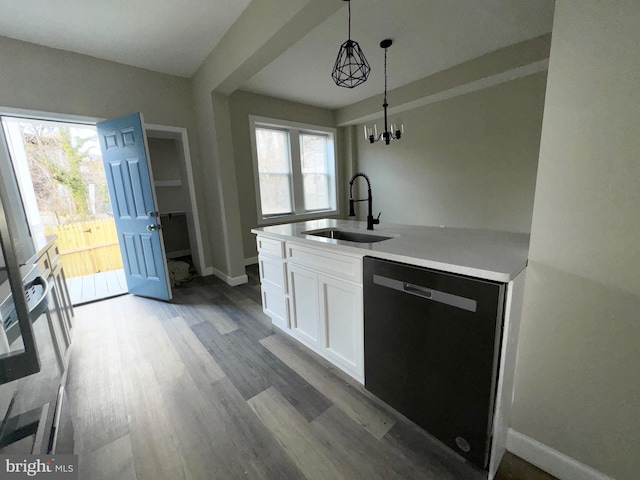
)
(351, 67)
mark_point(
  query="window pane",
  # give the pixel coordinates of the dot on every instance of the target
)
(313, 149)
(273, 151)
(274, 168)
(313, 152)
(275, 194)
(316, 192)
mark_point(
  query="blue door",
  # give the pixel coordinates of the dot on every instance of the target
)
(126, 161)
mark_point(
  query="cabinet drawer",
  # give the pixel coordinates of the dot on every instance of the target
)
(276, 306)
(44, 265)
(269, 246)
(54, 256)
(273, 274)
(346, 267)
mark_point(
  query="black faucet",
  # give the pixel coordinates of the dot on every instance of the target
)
(370, 220)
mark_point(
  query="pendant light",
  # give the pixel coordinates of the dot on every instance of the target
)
(387, 135)
(351, 67)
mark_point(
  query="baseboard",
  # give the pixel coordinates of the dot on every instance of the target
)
(232, 281)
(250, 261)
(551, 461)
(207, 271)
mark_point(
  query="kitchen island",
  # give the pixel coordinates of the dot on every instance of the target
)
(312, 288)
(487, 254)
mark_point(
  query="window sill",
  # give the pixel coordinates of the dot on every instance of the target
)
(278, 219)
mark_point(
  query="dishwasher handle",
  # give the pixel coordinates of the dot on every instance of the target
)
(418, 290)
(431, 294)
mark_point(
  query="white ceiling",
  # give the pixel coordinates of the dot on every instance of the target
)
(428, 36)
(162, 35)
(176, 36)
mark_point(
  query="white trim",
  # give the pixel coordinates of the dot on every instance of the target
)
(297, 194)
(504, 394)
(53, 117)
(552, 461)
(206, 272)
(279, 219)
(232, 281)
(147, 154)
(250, 261)
(470, 87)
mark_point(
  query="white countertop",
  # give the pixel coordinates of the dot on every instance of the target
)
(487, 254)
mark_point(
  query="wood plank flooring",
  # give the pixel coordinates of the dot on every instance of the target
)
(204, 388)
(98, 286)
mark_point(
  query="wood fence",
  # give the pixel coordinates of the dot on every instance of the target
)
(87, 247)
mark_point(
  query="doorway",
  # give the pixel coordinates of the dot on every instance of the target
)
(61, 179)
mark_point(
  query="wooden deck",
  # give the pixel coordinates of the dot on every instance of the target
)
(89, 288)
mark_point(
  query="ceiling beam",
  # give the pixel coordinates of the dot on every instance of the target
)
(262, 33)
(499, 66)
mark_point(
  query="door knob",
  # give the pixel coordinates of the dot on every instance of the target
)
(154, 228)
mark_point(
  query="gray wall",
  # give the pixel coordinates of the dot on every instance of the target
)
(578, 370)
(165, 163)
(45, 79)
(469, 161)
(243, 104)
(263, 31)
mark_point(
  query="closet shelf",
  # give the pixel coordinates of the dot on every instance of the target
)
(173, 212)
(167, 183)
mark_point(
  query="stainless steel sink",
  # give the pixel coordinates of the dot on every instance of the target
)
(347, 235)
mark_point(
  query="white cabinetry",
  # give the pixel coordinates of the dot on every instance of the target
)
(273, 277)
(323, 295)
(304, 305)
(341, 320)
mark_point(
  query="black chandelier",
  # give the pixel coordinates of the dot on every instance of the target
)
(388, 135)
(351, 67)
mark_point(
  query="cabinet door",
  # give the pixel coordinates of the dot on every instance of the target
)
(341, 323)
(303, 295)
(272, 273)
(276, 306)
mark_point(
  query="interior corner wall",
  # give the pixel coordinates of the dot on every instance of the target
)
(232, 233)
(577, 382)
(243, 104)
(39, 78)
(469, 161)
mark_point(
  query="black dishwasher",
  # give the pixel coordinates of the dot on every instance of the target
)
(432, 345)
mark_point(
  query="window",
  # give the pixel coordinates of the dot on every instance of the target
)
(274, 171)
(294, 167)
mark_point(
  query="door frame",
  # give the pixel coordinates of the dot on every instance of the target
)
(179, 134)
(176, 133)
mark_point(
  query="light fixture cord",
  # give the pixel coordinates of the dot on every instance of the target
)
(385, 75)
(385, 104)
(349, 3)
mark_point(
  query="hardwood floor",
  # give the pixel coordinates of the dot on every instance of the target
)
(204, 388)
